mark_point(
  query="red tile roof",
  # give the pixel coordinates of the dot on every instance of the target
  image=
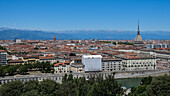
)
(55, 65)
(51, 57)
(2, 51)
(67, 62)
(63, 64)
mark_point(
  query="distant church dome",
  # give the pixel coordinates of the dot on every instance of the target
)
(138, 40)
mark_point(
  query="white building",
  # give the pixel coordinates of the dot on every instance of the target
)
(92, 62)
(18, 41)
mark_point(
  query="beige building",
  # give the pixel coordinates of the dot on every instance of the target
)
(133, 61)
(77, 66)
(139, 63)
(15, 62)
(50, 59)
(62, 67)
(111, 64)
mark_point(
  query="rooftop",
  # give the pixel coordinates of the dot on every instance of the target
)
(2, 51)
(92, 56)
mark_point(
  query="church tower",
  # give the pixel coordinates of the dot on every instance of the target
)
(54, 38)
(138, 40)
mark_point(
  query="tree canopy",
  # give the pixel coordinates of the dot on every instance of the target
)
(69, 87)
(152, 86)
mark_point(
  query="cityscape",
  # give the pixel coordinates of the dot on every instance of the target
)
(106, 62)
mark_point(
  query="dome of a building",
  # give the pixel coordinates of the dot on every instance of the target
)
(138, 40)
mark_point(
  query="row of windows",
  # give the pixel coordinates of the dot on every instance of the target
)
(62, 71)
(143, 63)
(139, 63)
(111, 62)
(61, 68)
(140, 66)
(111, 69)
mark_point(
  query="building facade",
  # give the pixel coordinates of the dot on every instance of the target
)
(111, 64)
(139, 64)
(77, 68)
(62, 67)
(50, 59)
(92, 62)
(18, 41)
(3, 57)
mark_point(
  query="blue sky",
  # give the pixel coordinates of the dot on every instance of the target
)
(54, 15)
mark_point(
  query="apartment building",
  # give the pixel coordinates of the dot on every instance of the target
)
(3, 57)
(62, 67)
(112, 64)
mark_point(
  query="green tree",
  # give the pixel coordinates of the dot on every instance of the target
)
(2, 73)
(48, 88)
(30, 85)
(83, 87)
(11, 89)
(146, 80)
(64, 78)
(23, 69)
(139, 91)
(108, 87)
(31, 93)
(160, 86)
(10, 70)
(68, 88)
(70, 77)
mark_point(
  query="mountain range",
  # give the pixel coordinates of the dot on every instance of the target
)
(10, 34)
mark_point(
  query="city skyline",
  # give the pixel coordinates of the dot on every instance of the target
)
(63, 15)
(84, 48)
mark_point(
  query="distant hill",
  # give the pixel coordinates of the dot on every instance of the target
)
(7, 34)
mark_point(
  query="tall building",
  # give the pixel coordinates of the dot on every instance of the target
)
(138, 40)
(92, 63)
(18, 41)
(3, 57)
(54, 38)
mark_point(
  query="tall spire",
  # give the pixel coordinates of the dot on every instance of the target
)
(138, 29)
